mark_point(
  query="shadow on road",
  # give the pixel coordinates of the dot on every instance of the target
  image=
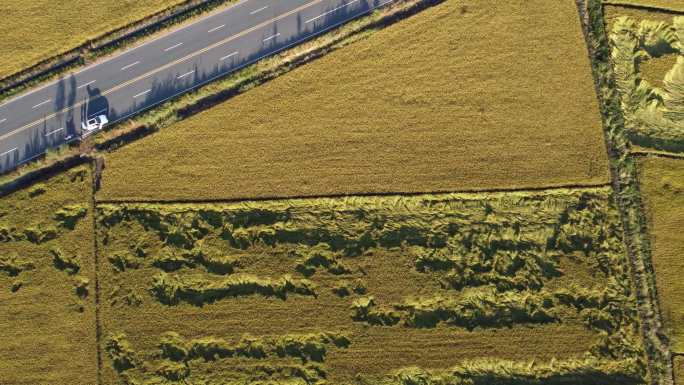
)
(171, 85)
(162, 89)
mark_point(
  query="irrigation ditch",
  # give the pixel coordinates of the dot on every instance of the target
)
(624, 178)
(96, 173)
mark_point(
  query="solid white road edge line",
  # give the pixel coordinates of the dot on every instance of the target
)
(187, 74)
(331, 11)
(223, 58)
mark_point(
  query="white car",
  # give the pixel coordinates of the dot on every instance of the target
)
(95, 123)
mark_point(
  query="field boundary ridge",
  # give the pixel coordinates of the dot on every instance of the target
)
(658, 154)
(530, 190)
(625, 181)
(652, 8)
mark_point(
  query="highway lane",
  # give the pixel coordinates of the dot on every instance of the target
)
(146, 75)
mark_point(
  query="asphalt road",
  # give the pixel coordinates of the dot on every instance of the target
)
(155, 71)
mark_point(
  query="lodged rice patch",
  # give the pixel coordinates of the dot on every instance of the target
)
(430, 289)
(648, 62)
(656, 67)
(47, 288)
(662, 184)
(465, 95)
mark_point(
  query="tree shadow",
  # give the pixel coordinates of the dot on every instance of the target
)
(172, 84)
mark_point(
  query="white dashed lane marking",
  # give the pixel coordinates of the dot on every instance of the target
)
(124, 68)
(85, 85)
(216, 28)
(172, 47)
(54, 132)
(331, 11)
(254, 12)
(42, 103)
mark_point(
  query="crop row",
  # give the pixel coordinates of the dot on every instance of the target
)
(175, 356)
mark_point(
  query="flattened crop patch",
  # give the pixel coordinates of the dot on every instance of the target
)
(653, 110)
(379, 290)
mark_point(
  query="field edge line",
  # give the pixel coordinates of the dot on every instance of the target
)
(624, 178)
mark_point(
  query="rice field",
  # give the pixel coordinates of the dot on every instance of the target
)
(441, 101)
(448, 287)
(662, 184)
(377, 290)
(47, 288)
(679, 370)
(36, 30)
(308, 232)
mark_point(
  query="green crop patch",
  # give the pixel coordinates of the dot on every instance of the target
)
(522, 288)
(47, 283)
(648, 60)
